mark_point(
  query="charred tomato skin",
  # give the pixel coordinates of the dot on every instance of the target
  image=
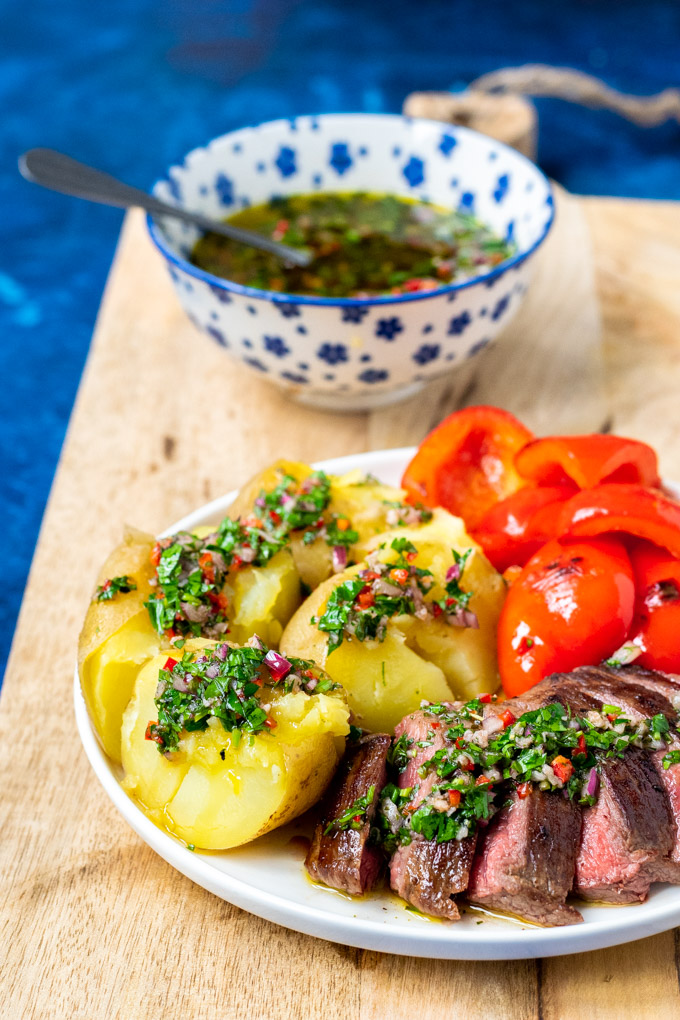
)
(656, 628)
(572, 605)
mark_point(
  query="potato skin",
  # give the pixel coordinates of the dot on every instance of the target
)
(116, 638)
(362, 501)
(427, 660)
(217, 802)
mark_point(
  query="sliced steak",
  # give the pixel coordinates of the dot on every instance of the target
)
(669, 687)
(640, 697)
(526, 859)
(425, 873)
(344, 858)
(628, 835)
(632, 792)
(429, 874)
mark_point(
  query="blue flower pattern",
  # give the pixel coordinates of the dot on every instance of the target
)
(217, 335)
(467, 203)
(332, 364)
(354, 313)
(502, 187)
(285, 161)
(459, 323)
(340, 159)
(414, 171)
(288, 309)
(500, 308)
(333, 354)
(275, 345)
(222, 295)
(224, 189)
(389, 328)
(174, 188)
(373, 375)
(426, 353)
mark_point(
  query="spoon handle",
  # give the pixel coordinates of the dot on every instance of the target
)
(61, 173)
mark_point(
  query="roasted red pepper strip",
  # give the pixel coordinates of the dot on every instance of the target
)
(587, 461)
(656, 629)
(572, 605)
(514, 529)
(631, 509)
(466, 464)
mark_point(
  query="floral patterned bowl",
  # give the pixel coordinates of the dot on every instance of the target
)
(356, 353)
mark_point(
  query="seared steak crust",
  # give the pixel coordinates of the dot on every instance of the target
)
(525, 864)
(344, 859)
(425, 873)
(429, 874)
(628, 835)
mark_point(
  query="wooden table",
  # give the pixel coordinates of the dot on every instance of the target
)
(96, 925)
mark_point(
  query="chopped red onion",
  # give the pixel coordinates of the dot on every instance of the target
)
(181, 683)
(277, 665)
(221, 651)
(593, 784)
(247, 553)
(256, 642)
(339, 557)
(260, 501)
(453, 573)
(212, 671)
(311, 684)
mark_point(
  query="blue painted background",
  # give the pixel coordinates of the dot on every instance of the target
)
(133, 85)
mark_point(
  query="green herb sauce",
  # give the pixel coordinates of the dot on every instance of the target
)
(363, 244)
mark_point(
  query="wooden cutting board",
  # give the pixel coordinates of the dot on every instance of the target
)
(96, 925)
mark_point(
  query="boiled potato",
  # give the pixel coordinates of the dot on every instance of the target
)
(117, 637)
(419, 659)
(364, 502)
(467, 656)
(263, 599)
(220, 789)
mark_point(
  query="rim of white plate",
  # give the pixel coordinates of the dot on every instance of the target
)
(502, 942)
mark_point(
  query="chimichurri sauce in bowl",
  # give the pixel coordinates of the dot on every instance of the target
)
(363, 244)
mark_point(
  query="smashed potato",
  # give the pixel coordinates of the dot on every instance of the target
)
(217, 786)
(417, 658)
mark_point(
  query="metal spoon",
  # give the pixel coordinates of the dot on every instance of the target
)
(58, 172)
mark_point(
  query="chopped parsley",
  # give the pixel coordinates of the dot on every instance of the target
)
(353, 817)
(398, 755)
(112, 586)
(226, 686)
(361, 606)
(475, 772)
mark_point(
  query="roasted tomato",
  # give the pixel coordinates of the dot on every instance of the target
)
(631, 509)
(514, 529)
(466, 464)
(656, 629)
(572, 605)
(587, 461)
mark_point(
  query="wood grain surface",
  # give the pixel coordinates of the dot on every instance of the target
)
(93, 924)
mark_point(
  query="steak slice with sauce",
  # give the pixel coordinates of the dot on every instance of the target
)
(526, 859)
(646, 860)
(628, 835)
(344, 858)
(425, 873)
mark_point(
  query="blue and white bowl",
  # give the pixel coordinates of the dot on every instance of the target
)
(356, 353)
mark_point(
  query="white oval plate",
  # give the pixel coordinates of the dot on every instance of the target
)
(267, 877)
